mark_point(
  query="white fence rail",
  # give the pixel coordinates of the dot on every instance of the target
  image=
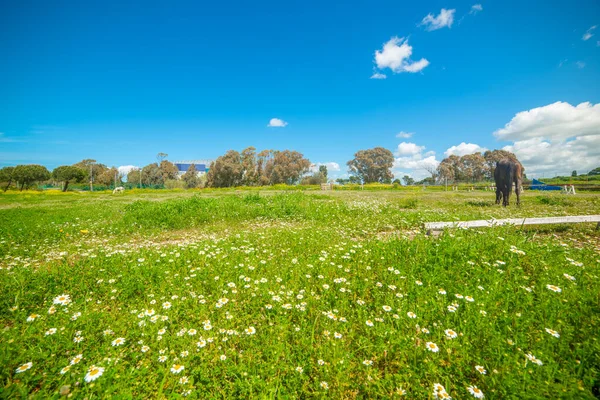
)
(436, 226)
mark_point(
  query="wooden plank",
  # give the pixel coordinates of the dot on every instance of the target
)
(512, 221)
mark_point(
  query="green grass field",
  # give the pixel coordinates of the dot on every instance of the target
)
(264, 294)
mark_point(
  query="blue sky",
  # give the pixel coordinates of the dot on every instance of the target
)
(122, 81)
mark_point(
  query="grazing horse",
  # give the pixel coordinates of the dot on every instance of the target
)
(508, 172)
(119, 189)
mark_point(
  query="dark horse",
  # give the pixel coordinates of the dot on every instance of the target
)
(508, 172)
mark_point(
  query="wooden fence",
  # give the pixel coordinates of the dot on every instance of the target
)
(437, 226)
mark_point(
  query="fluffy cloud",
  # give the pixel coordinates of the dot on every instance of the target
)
(444, 19)
(555, 139)
(378, 75)
(542, 157)
(412, 157)
(395, 55)
(125, 169)
(409, 149)
(464, 149)
(331, 167)
(475, 8)
(588, 34)
(557, 121)
(404, 135)
(277, 123)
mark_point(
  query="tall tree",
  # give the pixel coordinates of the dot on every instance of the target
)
(286, 166)
(191, 178)
(323, 172)
(25, 175)
(6, 175)
(66, 174)
(250, 166)
(168, 170)
(90, 166)
(372, 165)
(226, 170)
(408, 180)
(134, 176)
(473, 167)
(261, 161)
(492, 157)
(152, 175)
(109, 176)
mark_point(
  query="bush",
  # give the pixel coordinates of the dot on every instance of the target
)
(174, 184)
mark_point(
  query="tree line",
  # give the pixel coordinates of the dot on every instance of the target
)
(252, 168)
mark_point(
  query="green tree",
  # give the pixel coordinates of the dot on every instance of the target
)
(574, 173)
(133, 177)
(6, 175)
(323, 172)
(66, 174)
(152, 175)
(25, 175)
(408, 181)
(191, 178)
(109, 176)
(226, 170)
(251, 173)
(286, 166)
(372, 165)
(168, 170)
(492, 157)
(90, 166)
(595, 171)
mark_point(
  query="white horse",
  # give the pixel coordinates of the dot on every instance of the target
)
(119, 189)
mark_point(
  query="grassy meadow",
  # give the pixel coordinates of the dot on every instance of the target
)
(270, 294)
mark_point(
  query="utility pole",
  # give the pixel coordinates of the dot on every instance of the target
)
(140, 174)
(92, 175)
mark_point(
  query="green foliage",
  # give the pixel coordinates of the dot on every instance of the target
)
(25, 175)
(66, 174)
(372, 165)
(553, 200)
(317, 277)
(594, 172)
(408, 181)
(6, 176)
(269, 167)
(174, 184)
(191, 179)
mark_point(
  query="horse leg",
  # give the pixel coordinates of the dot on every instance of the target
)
(506, 195)
(518, 192)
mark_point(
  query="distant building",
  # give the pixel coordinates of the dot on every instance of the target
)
(201, 166)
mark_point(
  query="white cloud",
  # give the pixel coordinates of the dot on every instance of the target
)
(395, 55)
(277, 123)
(409, 149)
(412, 157)
(378, 75)
(331, 166)
(444, 19)
(125, 169)
(543, 157)
(475, 8)
(557, 121)
(588, 34)
(404, 135)
(555, 139)
(580, 64)
(464, 149)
